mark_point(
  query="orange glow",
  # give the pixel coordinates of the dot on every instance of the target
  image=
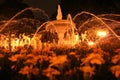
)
(91, 43)
(18, 41)
(101, 33)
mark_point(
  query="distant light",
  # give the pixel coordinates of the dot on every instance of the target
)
(91, 43)
(77, 38)
(101, 33)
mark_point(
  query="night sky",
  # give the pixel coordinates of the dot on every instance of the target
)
(75, 6)
(49, 6)
(68, 6)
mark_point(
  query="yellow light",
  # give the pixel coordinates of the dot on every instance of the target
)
(91, 43)
(76, 38)
(101, 33)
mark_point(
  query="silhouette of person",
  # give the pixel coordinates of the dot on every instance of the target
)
(8, 8)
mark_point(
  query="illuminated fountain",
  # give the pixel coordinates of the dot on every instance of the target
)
(60, 32)
(65, 29)
(18, 32)
(97, 30)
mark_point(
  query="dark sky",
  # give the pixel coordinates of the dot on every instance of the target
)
(75, 6)
(68, 6)
(49, 6)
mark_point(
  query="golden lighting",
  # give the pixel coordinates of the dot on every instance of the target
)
(15, 42)
(101, 33)
(91, 43)
(76, 39)
(20, 41)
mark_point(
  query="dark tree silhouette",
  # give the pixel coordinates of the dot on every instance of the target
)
(50, 37)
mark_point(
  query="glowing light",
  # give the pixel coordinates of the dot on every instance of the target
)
(91, 43)
(101, 33)
(19, 41)
(76, 38)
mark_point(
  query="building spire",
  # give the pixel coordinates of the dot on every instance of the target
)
(59, 13)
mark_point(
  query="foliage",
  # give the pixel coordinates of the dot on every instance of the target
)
(59, 63)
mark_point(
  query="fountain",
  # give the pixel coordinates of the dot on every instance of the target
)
(60, 32)
(103, 23)
(64, 28)
(15, 38)
(10, 42)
